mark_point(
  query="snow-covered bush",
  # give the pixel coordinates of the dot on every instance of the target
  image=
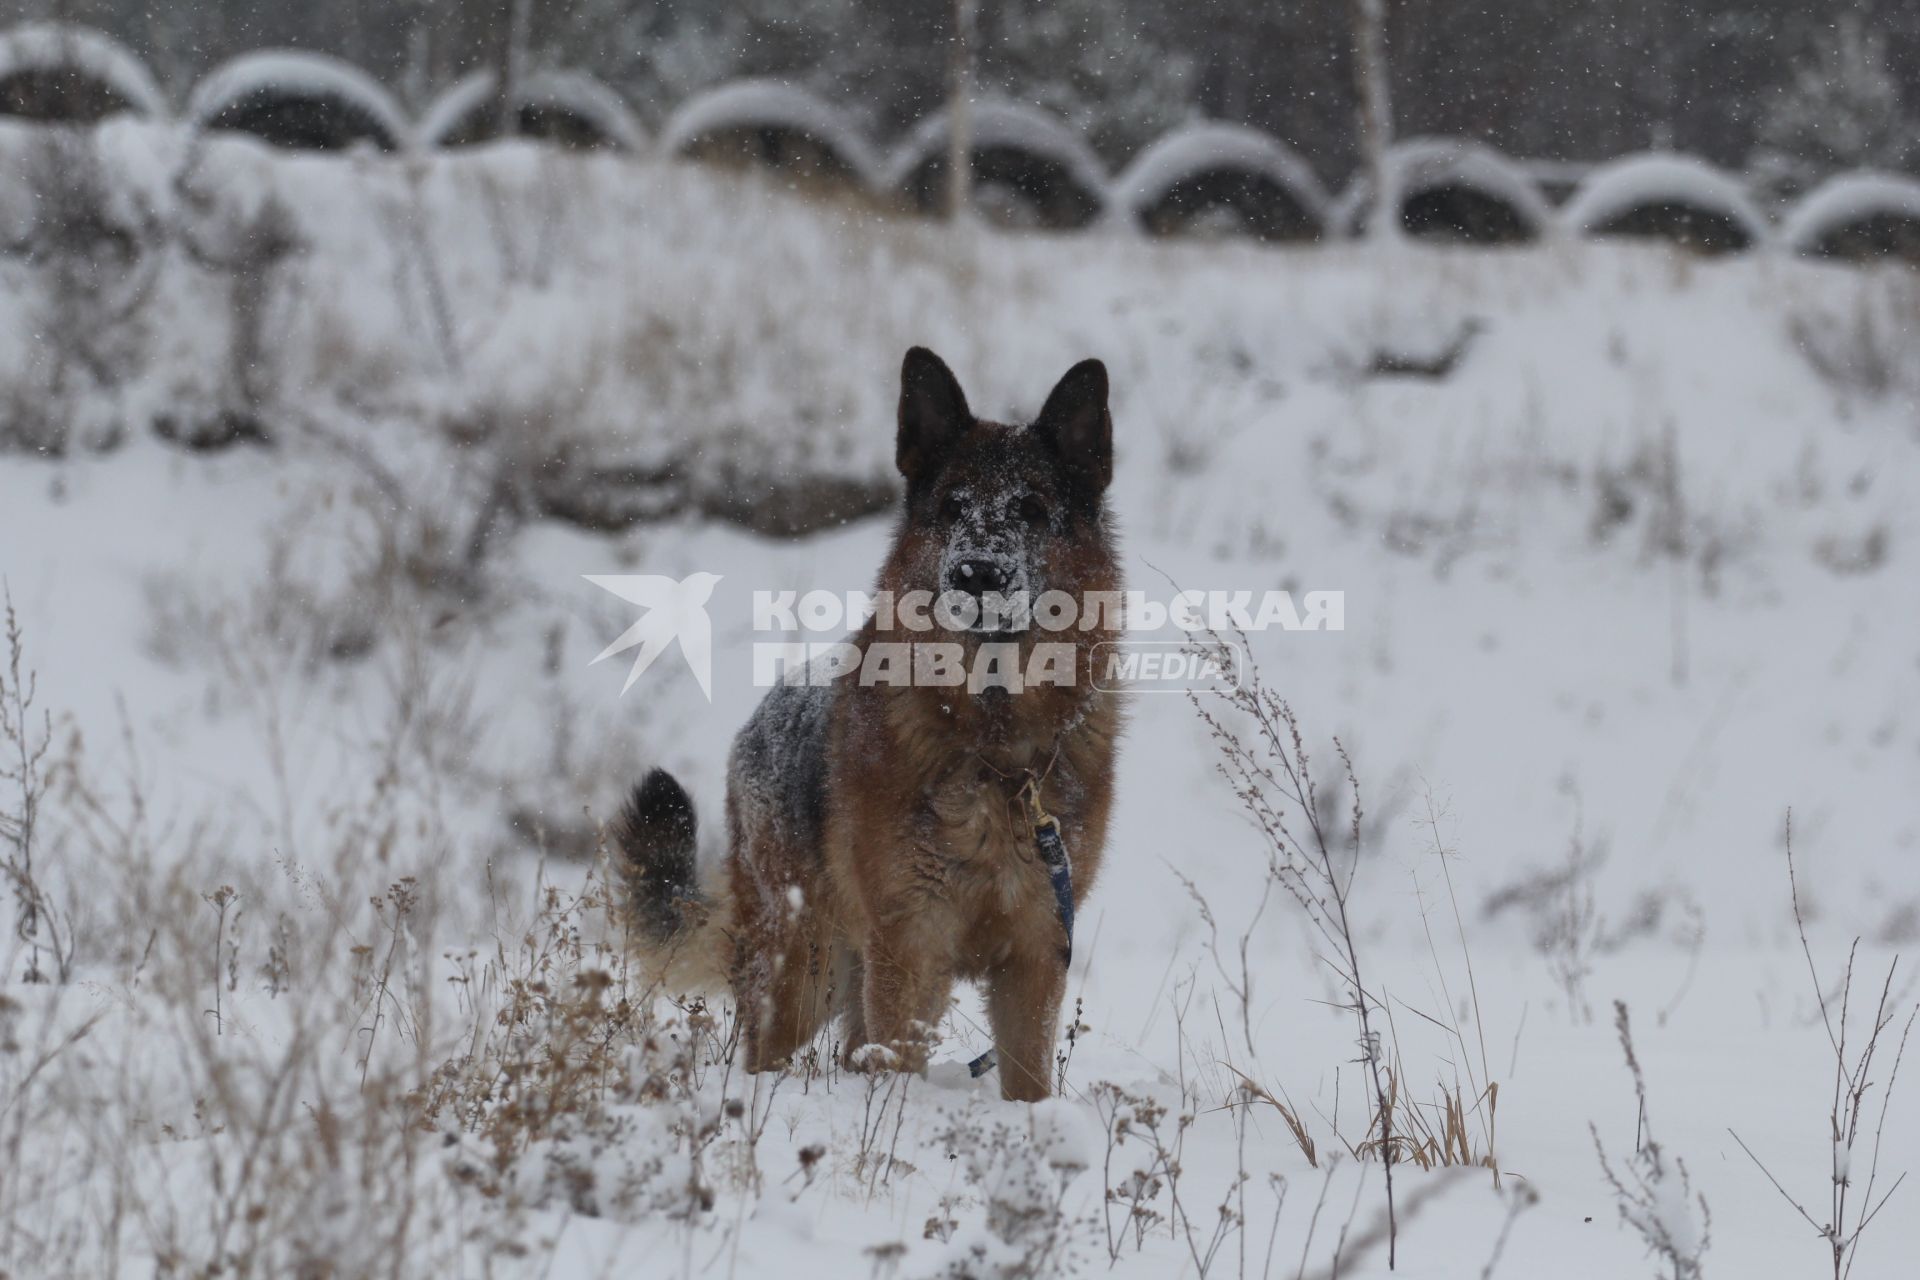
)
(1859, 342)
(1021, 1173)
(665, 56)
(1841, 109)
(1098, 64)
(245, 237)
(575, 1094)
(83, 249)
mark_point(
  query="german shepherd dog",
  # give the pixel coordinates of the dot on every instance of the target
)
(880, 843)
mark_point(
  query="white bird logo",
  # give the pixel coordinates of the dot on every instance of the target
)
(674, 611)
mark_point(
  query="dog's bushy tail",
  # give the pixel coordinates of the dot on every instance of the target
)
(678, 926)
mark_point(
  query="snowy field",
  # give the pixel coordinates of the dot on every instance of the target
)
(1627, 543)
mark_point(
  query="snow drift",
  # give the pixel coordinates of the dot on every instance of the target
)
(332, 752)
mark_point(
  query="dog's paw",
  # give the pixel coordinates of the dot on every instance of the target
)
(873, 1058)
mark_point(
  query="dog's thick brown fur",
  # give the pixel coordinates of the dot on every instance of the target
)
(877, 848)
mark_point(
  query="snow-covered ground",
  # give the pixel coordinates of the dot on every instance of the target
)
(1625, 540)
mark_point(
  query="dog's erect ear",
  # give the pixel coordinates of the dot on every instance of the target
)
(933, 414)
(1080, 430)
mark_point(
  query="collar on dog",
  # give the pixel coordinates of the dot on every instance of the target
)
(1052, 850)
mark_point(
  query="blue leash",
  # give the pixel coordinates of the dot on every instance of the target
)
(1053, 852)
(1052, 849)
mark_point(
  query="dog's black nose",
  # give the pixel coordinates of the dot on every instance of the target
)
(977, 577)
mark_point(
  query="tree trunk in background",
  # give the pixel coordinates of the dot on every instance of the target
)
(960, 112)
(417, 78)
(514, 20)
(1666, 59)
(1376, 108)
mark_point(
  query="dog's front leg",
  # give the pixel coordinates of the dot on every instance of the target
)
(1023, 1009)
(907, 972)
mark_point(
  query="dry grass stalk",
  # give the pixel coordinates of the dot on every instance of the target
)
(1271, 776)
(1653, 1192)
(1848, 1216)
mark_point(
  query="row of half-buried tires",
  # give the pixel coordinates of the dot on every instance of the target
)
(1029, 168)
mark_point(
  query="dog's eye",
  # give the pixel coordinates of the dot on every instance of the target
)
(952, 508)
(1031, 509)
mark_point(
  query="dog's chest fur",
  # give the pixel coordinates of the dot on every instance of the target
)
(962, 832)
(980, 825)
